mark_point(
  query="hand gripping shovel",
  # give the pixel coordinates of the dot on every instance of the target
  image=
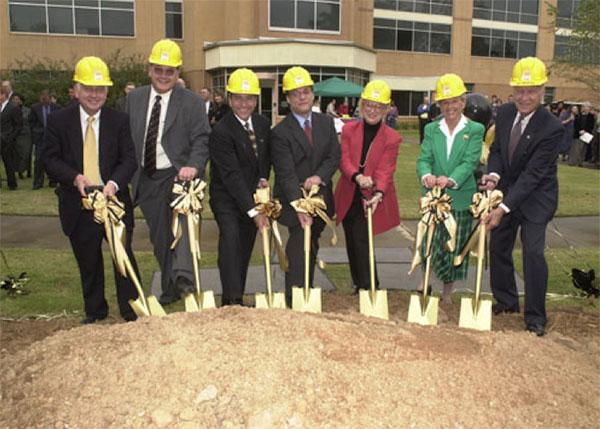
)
(373, 303)
(272, 209)
(110, 213)
(188, 201)
(306, 299)
(476, 313)
(424, 310)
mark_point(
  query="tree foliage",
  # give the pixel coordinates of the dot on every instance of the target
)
(29, 76)
(580, 61)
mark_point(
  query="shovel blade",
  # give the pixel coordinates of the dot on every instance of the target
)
(310, 305)
(262, 300)
(191, 306)
(376, 307)
(481, 321)
(138, 308)
(206, 299)
(427, 316)
(154, 306)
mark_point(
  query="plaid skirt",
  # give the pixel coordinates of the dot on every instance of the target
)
(441, 259)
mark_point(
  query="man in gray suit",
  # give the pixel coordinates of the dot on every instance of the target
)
(305, 152)
(170, 131)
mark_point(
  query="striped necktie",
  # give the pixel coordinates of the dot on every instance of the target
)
(252, 137)
(151, 137)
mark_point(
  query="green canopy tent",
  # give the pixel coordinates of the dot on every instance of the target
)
(336, 87)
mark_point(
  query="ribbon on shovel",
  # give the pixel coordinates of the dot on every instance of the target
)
(483, 203)
(188, 201)
(271, 208)
(110, 212)
(435, 208)
(314, 205)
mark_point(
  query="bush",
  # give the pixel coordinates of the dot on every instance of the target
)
(30, 76)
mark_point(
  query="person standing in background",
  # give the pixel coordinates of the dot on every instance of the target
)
(11, 123)
(423, 115)
(38, 120)
(23, 146)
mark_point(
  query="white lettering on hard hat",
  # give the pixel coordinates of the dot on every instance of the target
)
(446, 90)
(526, 75)
(245, 85)
(164, 56)
(97, 75)
(299, 80)
(376, 94)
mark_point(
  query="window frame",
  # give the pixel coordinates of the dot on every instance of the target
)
(491, 11)
(403, 27)
(295, 29)
(175, 13)
(493, 34)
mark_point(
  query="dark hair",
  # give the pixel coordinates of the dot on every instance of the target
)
(16, 94)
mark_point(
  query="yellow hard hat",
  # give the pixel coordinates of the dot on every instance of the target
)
(243, 81)
(378, 91)
(448, 86)
(165, 52)
(92, 71)
(529, 71)
(296, 77)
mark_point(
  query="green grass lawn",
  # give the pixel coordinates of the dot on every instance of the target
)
(579, 190)
(55, 285)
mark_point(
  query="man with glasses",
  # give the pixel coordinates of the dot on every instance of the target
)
(170, 131)
(305, 152)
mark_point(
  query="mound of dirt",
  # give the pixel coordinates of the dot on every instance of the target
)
(240, 367)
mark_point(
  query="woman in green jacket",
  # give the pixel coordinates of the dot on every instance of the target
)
(449, 156)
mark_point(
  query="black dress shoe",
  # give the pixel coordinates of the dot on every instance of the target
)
(130, 317)
(499, 309)
(168, 299)
(536, 328)
(238, 301)
(88, 320)
(184, 285)
(429, 291)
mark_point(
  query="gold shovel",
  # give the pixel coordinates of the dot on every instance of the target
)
(476, 313)
(424, 310)
(110, 213)
(270, 299)
(373, 303)
(306, 299)
(188, 202)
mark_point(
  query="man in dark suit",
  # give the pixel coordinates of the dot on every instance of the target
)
(38, 120)
(170, 132)
(240, 163)
(11, 123)
(305, 152)
(88, 145)
(522, 164)
(209, 106)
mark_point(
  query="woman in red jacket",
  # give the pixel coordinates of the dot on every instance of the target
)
(369, 153)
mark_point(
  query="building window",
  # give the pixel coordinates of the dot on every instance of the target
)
(566, 11)
(305, 15)
(561, 46)
(408, 101)
(487, 42)
(174, 19)
(549, 94)
(87, 17)
(519, 11)
(411, 36)
(434, 7)
(470, 87)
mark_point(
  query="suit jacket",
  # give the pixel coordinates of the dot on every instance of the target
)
(36, 117)
(11, 124)
(234, 168)
(295, 159)
(529, 182)
(63, 159)
(185, 133)
(460, 166)
(380, 164)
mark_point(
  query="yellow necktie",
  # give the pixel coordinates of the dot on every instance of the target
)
(91, 168)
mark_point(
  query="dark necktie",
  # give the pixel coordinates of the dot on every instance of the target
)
(515, 136)
(252, 137)
(151, 137)
(45, 115)
(308, 131)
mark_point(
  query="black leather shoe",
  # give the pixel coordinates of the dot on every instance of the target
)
(238, 301)
(88, 320)
(130, 317)
(185, 285)
(429, 291)
(499, 309)
(168, 299)
(536, 328)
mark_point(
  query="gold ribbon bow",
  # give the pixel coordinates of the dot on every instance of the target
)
(435, 208)
(483, 203)
(314, 205)
(188, 201)
(110, 213)
(271, 208)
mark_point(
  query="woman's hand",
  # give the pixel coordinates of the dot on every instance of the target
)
(364, 182)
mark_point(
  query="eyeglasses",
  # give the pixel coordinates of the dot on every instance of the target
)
(164, 71)
(369, 105)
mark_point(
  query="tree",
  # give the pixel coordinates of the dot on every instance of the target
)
(30, 76)
(580, 61)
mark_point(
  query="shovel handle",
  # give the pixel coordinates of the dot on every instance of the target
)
(193, 250)
(136, 283)
(480, 258)
(430, 232)
(267, 256)
(371, 251)
(307, 248)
